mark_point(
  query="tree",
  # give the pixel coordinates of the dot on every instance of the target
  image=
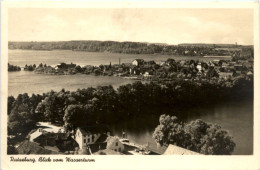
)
(53, 106)
(169, 131)
(73, 116)
(19, 124)
(212, 73)
(197, 136)
(217, 142)
(11, 101)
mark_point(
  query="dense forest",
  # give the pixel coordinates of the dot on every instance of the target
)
(105, 105)
(139, 48)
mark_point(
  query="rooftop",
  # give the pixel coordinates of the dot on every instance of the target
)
(48, 127)
(108, 152)
(93, 129)
(27, 147)
(176, 150)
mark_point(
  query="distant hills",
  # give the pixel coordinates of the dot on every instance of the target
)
(185, 49)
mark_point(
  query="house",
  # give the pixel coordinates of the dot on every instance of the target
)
(53, 141)
(107, 152)
(138, 62)
(148, 74)
(224, 65)
(182, 62)
(238, 67)
(161, 63)
(27, 147)
(65, 66)
(134, 70)
(247, 65)
(250, 73)
(217, 68)
(199, 67)
(150, 63)
(225, 75)
(88, 135)
(36, 134)
(176, 150)
(113, 143)
(230, 67)
(127, 65)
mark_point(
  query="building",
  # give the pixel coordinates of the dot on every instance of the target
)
(134, 70)
(150, 63)
(148, 74)
(138, 62)
(32, 148)
(59, 142)
(249, 73)
(225, 75)
(113, 143)
(199, 67)
(88, 135)
(176, 150)
(238, 67)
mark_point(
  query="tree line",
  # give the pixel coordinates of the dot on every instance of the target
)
(13, 67)
(133, 48)
(105, 105)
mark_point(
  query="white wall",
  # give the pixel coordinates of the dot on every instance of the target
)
(116, 148)
(83, 141)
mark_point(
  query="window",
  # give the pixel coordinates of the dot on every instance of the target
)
(93, 138)
(116, 143)
(119, 149)
(84, 140)
(88, 140)
(116, 150)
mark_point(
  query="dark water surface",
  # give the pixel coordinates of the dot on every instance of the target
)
(236, 118)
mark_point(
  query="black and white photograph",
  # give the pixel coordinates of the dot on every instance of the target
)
(130, 81)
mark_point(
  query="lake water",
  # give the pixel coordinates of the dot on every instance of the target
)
(22, 57)
(237, 118)
(29, 82)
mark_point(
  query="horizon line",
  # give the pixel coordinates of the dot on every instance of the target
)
(138, 42)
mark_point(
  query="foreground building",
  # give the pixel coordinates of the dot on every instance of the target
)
(176, 150)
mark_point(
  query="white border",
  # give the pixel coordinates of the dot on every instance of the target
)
(131, 162)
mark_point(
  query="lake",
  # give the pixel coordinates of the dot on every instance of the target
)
(236, 117)
(22, 57)
(30, 82)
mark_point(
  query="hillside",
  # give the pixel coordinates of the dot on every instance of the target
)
(136, 47)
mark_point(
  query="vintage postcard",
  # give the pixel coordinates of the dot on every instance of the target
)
(123, 85)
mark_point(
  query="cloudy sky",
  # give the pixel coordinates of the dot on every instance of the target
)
(170, 26)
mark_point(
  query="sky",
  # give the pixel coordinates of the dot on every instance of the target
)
(168, 25)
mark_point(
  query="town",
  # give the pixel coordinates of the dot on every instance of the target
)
(167, 70)
(51, 139)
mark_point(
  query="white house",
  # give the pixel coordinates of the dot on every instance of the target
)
(138, 62)
(199, 67)
(84, 137)
(113, 143)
